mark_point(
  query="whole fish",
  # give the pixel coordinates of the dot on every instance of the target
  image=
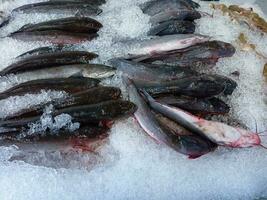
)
(189, 145)
(196, 106)
(162, 45)
(96, 71)
(69, 24)
(71, 7)
(70, 85)
(217, 132)
(173, 27)
(202, 86)
(49, 60)
(89, 96)
(209, 52)
(92, 113)
(147, 72)
(175, 14)
(54, 37)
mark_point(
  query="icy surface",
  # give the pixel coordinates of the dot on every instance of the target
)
(131, 165)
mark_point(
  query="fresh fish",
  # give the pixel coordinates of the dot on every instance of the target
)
(186, 144)
(92, 113)
(173, 27)
(89, 96)
(83, 132)
(157, 6)
(206, 52)
(162, 45)
(69, 24)
(147, 72)
(45, 50)
(71, 7)
(71, 85)
(185, 14)
(219, 133)
(49, 60)
(196, 106)
(92, 2)
(202, 86)
(54, 37)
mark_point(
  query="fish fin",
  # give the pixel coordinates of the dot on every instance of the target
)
(77, 75)
(192, 157)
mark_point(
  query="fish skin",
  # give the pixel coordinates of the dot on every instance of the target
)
(49, 60)
(147, 72)
(90, 96)
(202, 86)
(172, 27)
(182, 14)
(54, 37)
(196, 106)
(162, 45)
(89, 131)
(93, 113)
(59, 7)
(69, 24)
(70, 85)
(92, 2)
(157, 6)
(207, 51)
(185, 144)
(4, 19)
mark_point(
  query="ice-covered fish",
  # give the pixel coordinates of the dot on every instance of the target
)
(219, 133)
(71, 85)
(71, 7)
(86, 97)
(206, 52)
(201, 86)
(161, 45)
(147, 72)
(194, 105)
(4, 19)
(189, 145)
(92, 113)
(173, 27)
(49, 60)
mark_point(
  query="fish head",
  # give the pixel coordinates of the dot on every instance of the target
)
(222, 49)
(246, 139)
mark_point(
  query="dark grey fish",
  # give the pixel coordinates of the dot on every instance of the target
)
(206, 52)
(189, 145)
(92, 2)
(45, 50)
(71, 7)
(189, 15)
(196, 106)
(69, 24)
(49, 60)
(173, 27)
(54, 37)
(93, 113)
(202, 86)
(157, 6)
(89, 96)
(147, 72)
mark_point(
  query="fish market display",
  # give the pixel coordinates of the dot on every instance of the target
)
(146, 99)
